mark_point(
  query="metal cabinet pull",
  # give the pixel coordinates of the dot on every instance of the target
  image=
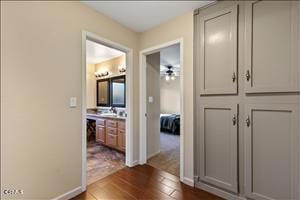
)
(234, 120)
(248, 121)
(233, 77)
(247, 75)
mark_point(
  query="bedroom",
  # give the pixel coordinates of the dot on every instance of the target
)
(167, 158)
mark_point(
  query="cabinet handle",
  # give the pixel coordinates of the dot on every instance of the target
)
(234, 120)
(248, 75)
(248, 121)
(233, 77)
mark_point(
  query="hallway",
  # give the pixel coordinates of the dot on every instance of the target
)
(142, 182)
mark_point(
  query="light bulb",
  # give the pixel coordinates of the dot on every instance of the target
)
(173, 77)
(167, 77)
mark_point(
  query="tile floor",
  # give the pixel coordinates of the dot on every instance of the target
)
(102, 161)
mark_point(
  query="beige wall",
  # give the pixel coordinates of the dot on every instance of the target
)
(111, 65)
(41, 148)
(153, 108)
(170, 96)
(180, 27)
(40, 71)
(90, 86)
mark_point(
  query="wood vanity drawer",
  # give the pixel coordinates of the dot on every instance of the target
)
(111, 123)
(121, 125)
(100, 122)
(111, 140)
(110, 130)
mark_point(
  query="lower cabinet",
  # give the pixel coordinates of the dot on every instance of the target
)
(100, 134)
(272, 151)
(218, 146)
(111, 132)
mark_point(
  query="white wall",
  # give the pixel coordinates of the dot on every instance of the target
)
(170, 96)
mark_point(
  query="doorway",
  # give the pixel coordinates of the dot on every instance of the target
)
(161, 128)
(106, 108)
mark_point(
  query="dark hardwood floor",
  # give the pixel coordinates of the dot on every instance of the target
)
(142, 182)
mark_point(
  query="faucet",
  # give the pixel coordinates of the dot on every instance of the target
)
(113, 110)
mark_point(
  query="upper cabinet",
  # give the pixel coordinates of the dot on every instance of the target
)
(272, 46)
(218, 52)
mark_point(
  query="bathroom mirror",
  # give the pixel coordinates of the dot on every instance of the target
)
(118, 91)
(103, 89)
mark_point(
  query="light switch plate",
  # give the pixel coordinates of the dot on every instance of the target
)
(73, 102)
(150, 99)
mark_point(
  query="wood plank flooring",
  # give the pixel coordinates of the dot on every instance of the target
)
(142, 182)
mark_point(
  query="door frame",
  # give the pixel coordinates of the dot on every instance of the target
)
(129, 100)
(143, 102)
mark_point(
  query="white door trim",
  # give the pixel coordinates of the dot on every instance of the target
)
(129, 99)
(143, 119)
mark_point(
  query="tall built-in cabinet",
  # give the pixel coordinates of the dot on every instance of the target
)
(247, 98)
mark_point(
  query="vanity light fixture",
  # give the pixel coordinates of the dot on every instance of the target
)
(99, 75)
(122, 69)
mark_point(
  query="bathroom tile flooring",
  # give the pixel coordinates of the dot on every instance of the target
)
(102, 161)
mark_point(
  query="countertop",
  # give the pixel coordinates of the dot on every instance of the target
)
(95, 114)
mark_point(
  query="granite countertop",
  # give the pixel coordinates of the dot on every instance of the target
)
(94, 114)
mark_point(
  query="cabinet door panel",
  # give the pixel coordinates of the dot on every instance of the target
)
(112, 140)
(272, 46)
(218, 53)
(219, 145)
(100, 134)
(272, 152)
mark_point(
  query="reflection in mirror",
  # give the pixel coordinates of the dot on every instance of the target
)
(103, 92)
(118, 91)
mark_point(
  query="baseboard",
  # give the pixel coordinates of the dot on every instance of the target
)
(153, 154)
(218, 192)
(188, 181)
(70, 194)
(134, 163)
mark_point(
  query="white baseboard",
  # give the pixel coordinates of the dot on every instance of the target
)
(153, 154)
(70, 194)
(188, 181)
(218, 192)
(134, 163)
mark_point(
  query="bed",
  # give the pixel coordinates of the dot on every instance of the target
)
(170, 123)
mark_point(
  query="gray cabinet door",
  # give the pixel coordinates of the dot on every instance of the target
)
(272, 46)
(218, 52)
(272, 151)
(218, 146)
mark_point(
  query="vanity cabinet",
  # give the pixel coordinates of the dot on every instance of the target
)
(111, 132)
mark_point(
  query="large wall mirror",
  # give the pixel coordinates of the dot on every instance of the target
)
(103, 97)
(112, 92)
(118, 91)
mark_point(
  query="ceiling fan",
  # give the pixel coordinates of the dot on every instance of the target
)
(169, 73)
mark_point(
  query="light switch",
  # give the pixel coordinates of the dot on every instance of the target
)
(73, 102)
(150, 99)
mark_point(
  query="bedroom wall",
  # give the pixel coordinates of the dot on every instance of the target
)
(170, 96)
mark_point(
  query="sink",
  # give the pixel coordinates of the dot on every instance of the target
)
(109, 114)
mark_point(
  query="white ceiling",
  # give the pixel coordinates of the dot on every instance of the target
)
(144, 15)
(96, 53)
(170, 56)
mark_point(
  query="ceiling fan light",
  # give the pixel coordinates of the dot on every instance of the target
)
(167, 77)
(173, 77)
